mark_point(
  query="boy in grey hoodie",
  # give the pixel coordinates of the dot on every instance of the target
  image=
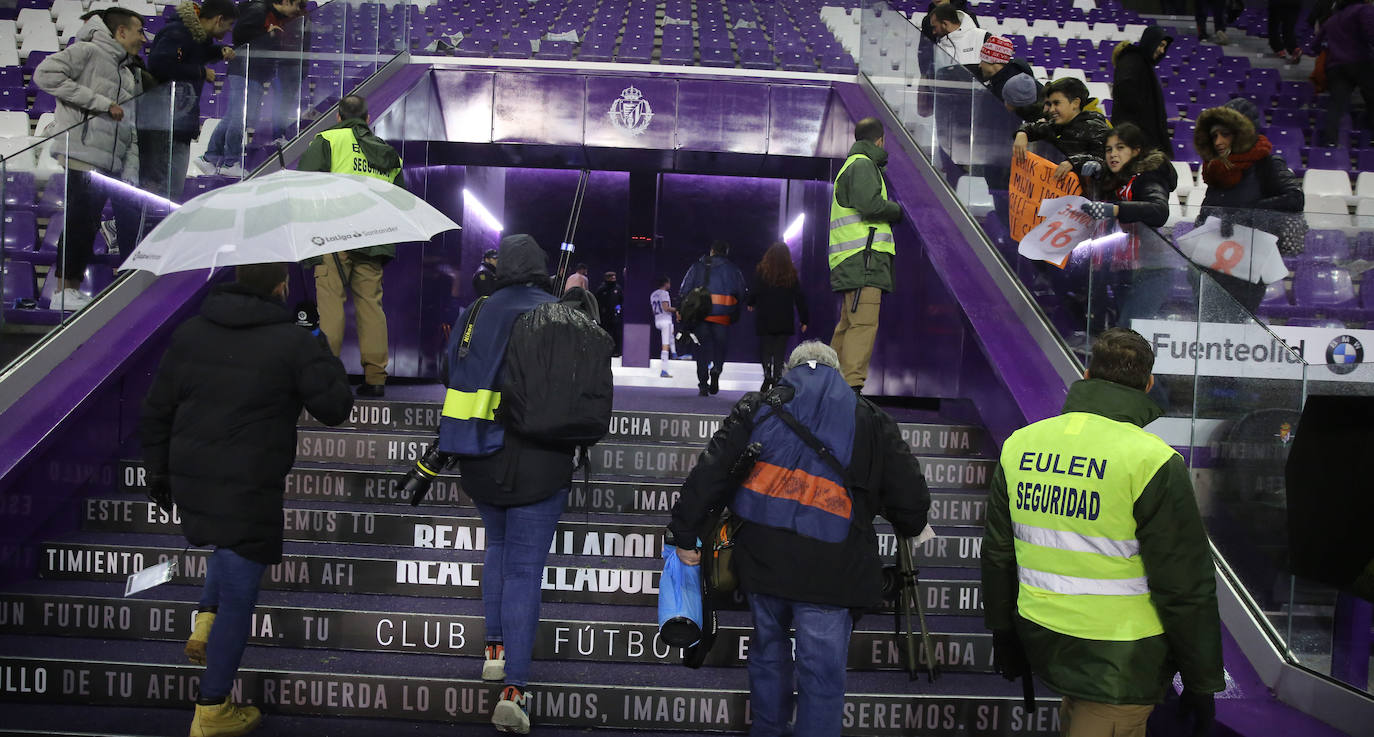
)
(93, 79)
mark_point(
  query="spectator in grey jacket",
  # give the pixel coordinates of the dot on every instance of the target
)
(93, 80)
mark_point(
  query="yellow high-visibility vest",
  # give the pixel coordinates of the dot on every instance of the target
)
(849, 230)
(347, 157)
(1072, 484)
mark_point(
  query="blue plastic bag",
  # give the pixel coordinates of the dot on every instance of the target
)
(679, 601)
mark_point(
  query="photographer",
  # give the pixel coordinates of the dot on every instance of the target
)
(806, 554)
(222, 446)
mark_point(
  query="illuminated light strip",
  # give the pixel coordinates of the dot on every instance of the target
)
(795, 228)
(482, 211)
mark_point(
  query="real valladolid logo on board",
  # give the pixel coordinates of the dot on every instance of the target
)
(1344, 354)
(631, 112)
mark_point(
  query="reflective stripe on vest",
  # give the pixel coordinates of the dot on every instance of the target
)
(849, 230)
(347, 156)
(478, 405)
(1072, 484)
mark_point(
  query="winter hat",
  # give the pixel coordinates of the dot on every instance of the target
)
(997, 50)
(1020, 91)
(1246, 108)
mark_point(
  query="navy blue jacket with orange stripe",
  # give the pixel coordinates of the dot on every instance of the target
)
(727, 288)
(884, 476)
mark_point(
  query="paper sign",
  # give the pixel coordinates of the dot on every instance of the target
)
(151, 576)
(927, 534)
(1032, 182)
(1064, 226)
(1249, 254)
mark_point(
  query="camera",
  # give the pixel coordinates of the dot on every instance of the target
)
(419, 478)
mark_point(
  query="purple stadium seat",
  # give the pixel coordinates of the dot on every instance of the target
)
(21, 232)
(1323, 285)
(1367, 290)
(1263, 79)
(1289, 117)
(18, 277)
(1328, 246)
(1364, 248)
(13, 100)
(1275, 295)
(11, 78)
(20, 191)
(1316, 322)
(35, 58)
(1327, 157)
(1288, 143)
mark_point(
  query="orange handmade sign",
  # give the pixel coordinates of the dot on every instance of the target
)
(1032, 182)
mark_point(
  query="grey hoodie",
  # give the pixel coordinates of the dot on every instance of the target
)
(86, 78)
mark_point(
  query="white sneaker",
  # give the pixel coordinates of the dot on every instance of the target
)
(70, 300)
(512, 712)
(205, 167)
(494, 669)
(1221, 38)
(233, 170)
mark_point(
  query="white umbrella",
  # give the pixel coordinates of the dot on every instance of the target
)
(285, 216)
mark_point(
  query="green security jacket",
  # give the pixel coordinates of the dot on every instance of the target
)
(1178, 566)
(861, 188)
(380, 156)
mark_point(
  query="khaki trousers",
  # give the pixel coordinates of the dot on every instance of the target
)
(853, 339)
(366, 285)
(1078, 718)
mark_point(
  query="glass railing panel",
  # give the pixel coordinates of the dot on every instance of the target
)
(73, 211)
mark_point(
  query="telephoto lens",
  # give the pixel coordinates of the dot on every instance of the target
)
(417, 481)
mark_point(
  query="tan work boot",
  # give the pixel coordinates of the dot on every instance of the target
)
(200, 636)
(226, 719)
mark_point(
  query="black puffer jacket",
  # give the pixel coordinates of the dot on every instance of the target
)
(887, 480)
(1080, 140)
(1267, 186)
(220, 420)
(177, 58)
(1136, 94)
(1151, 178)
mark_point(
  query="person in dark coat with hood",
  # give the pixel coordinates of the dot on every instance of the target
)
(219, 437)
(806, 553)
(610, 299)
(179, 60)
(519, 487)
(350, 147)
(780, 303)
(1134, 190)
(1247, 183)
(1136, 94)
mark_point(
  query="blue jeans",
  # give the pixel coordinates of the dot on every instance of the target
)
(711, 352)
(512, 574)
(819, 671)
(231, 589)
(228, 140)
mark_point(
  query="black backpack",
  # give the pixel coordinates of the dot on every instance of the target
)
(696, 304)
(556, 384)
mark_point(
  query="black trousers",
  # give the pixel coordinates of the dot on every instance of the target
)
(1342, 81)
(1283, 26)
(710, 355)
(86, 198)
(773, 355)
(1218, 8)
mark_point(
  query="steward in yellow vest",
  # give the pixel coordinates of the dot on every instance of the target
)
(1096, 568)
(352, 148)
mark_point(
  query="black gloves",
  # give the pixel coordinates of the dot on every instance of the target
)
(308, 315)
(1090, 169)
(1098, 210)
(160, 492)
(1203, 708)
(1008, 656)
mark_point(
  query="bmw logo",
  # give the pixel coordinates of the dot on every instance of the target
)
(1344, 354)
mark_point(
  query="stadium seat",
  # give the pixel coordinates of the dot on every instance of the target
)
(1327, 212)
(1327, 182)
(1323, 285)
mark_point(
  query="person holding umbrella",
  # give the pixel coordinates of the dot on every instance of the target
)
(220, 448)
(352, 148)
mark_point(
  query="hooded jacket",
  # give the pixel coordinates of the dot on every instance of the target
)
(88, 77)
(1136, 94)
(381, 156)
(860, 187)
(1348, 35)
(727, 287)
(177, 58)
(499, 467)
(220, 419)
(1267, 186)
(1081, 140)
(1179, 570)
(1142, 195)
(884, 479)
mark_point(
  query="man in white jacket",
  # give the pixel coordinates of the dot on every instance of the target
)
(959, 42)
(93, 80)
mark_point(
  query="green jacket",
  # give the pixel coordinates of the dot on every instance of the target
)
(380, 156)
(861, 188)
(1178, 566)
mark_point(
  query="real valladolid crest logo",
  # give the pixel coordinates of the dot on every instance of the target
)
(631, 112)
(1344, 354)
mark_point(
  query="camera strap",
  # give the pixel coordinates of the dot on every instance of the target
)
(469, 320)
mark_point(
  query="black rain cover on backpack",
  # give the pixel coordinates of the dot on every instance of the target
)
(556, 385)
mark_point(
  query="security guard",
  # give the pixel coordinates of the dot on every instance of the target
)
(352, 148)
(1096, 570)
(484, 281)
(861, 248)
